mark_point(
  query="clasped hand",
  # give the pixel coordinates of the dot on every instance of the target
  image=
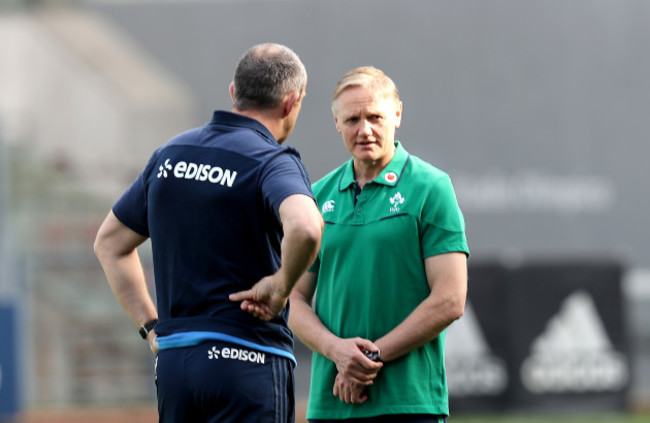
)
(355, 371)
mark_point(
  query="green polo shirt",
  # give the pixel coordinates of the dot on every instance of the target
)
(371, 276)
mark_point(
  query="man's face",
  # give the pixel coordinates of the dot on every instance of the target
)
(367, 122)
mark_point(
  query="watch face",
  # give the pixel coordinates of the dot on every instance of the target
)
(374, 356)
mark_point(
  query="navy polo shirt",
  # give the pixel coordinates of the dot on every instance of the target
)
(209, 201)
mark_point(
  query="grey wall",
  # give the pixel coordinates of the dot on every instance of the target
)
(538, 110)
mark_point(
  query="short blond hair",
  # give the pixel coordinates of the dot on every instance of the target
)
(366, 77)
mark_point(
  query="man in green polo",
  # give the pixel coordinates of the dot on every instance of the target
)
(391, 273)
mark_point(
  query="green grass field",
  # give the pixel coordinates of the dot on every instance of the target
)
(560, 418)
(550, 418)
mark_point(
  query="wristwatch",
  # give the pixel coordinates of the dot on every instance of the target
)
(146, 328)
(374, 356)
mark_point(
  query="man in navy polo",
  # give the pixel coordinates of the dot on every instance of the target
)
(233, 224)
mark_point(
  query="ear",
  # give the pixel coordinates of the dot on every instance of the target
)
(290, 100)
(398, 115)
(231, 90)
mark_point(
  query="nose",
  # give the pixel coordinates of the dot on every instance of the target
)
(365, 128)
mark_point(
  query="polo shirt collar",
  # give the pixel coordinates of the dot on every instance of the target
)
(222, 117)
(389, 176)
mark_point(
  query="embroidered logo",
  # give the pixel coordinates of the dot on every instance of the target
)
(390, 177)
(328, 207)
(164, 168)
(396, 200)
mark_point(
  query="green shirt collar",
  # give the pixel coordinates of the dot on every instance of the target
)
(389, 176)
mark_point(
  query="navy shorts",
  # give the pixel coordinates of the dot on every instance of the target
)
(223, 382)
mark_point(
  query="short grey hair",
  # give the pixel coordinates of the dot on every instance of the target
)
(366, 77)
(265, 74)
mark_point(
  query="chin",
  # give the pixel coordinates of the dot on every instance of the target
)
(367, 152)
(367, 158)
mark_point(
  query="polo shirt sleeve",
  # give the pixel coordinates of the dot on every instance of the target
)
(131, 207)
(443, 225)
(284, 175)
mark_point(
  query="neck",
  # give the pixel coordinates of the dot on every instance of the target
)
(266, 118)
(365, 172)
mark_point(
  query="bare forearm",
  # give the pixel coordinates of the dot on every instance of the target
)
(127, 281)
(303, 227)
(423, 325)
(299, 248)
(355, 370)
(309, 328)
(115, 247)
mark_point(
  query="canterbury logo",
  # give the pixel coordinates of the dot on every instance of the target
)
(198, 172)
(328, 206)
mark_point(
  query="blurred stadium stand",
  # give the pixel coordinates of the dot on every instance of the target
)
(82, 109)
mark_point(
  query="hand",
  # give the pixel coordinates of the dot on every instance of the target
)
(349, 392)
(152, 339)
(351, 362)
(263, 300)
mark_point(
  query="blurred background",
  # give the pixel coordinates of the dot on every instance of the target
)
(539, 111)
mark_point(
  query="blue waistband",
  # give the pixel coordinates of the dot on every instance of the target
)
(189, 339)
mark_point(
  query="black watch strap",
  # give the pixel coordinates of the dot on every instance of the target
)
(146, 328)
